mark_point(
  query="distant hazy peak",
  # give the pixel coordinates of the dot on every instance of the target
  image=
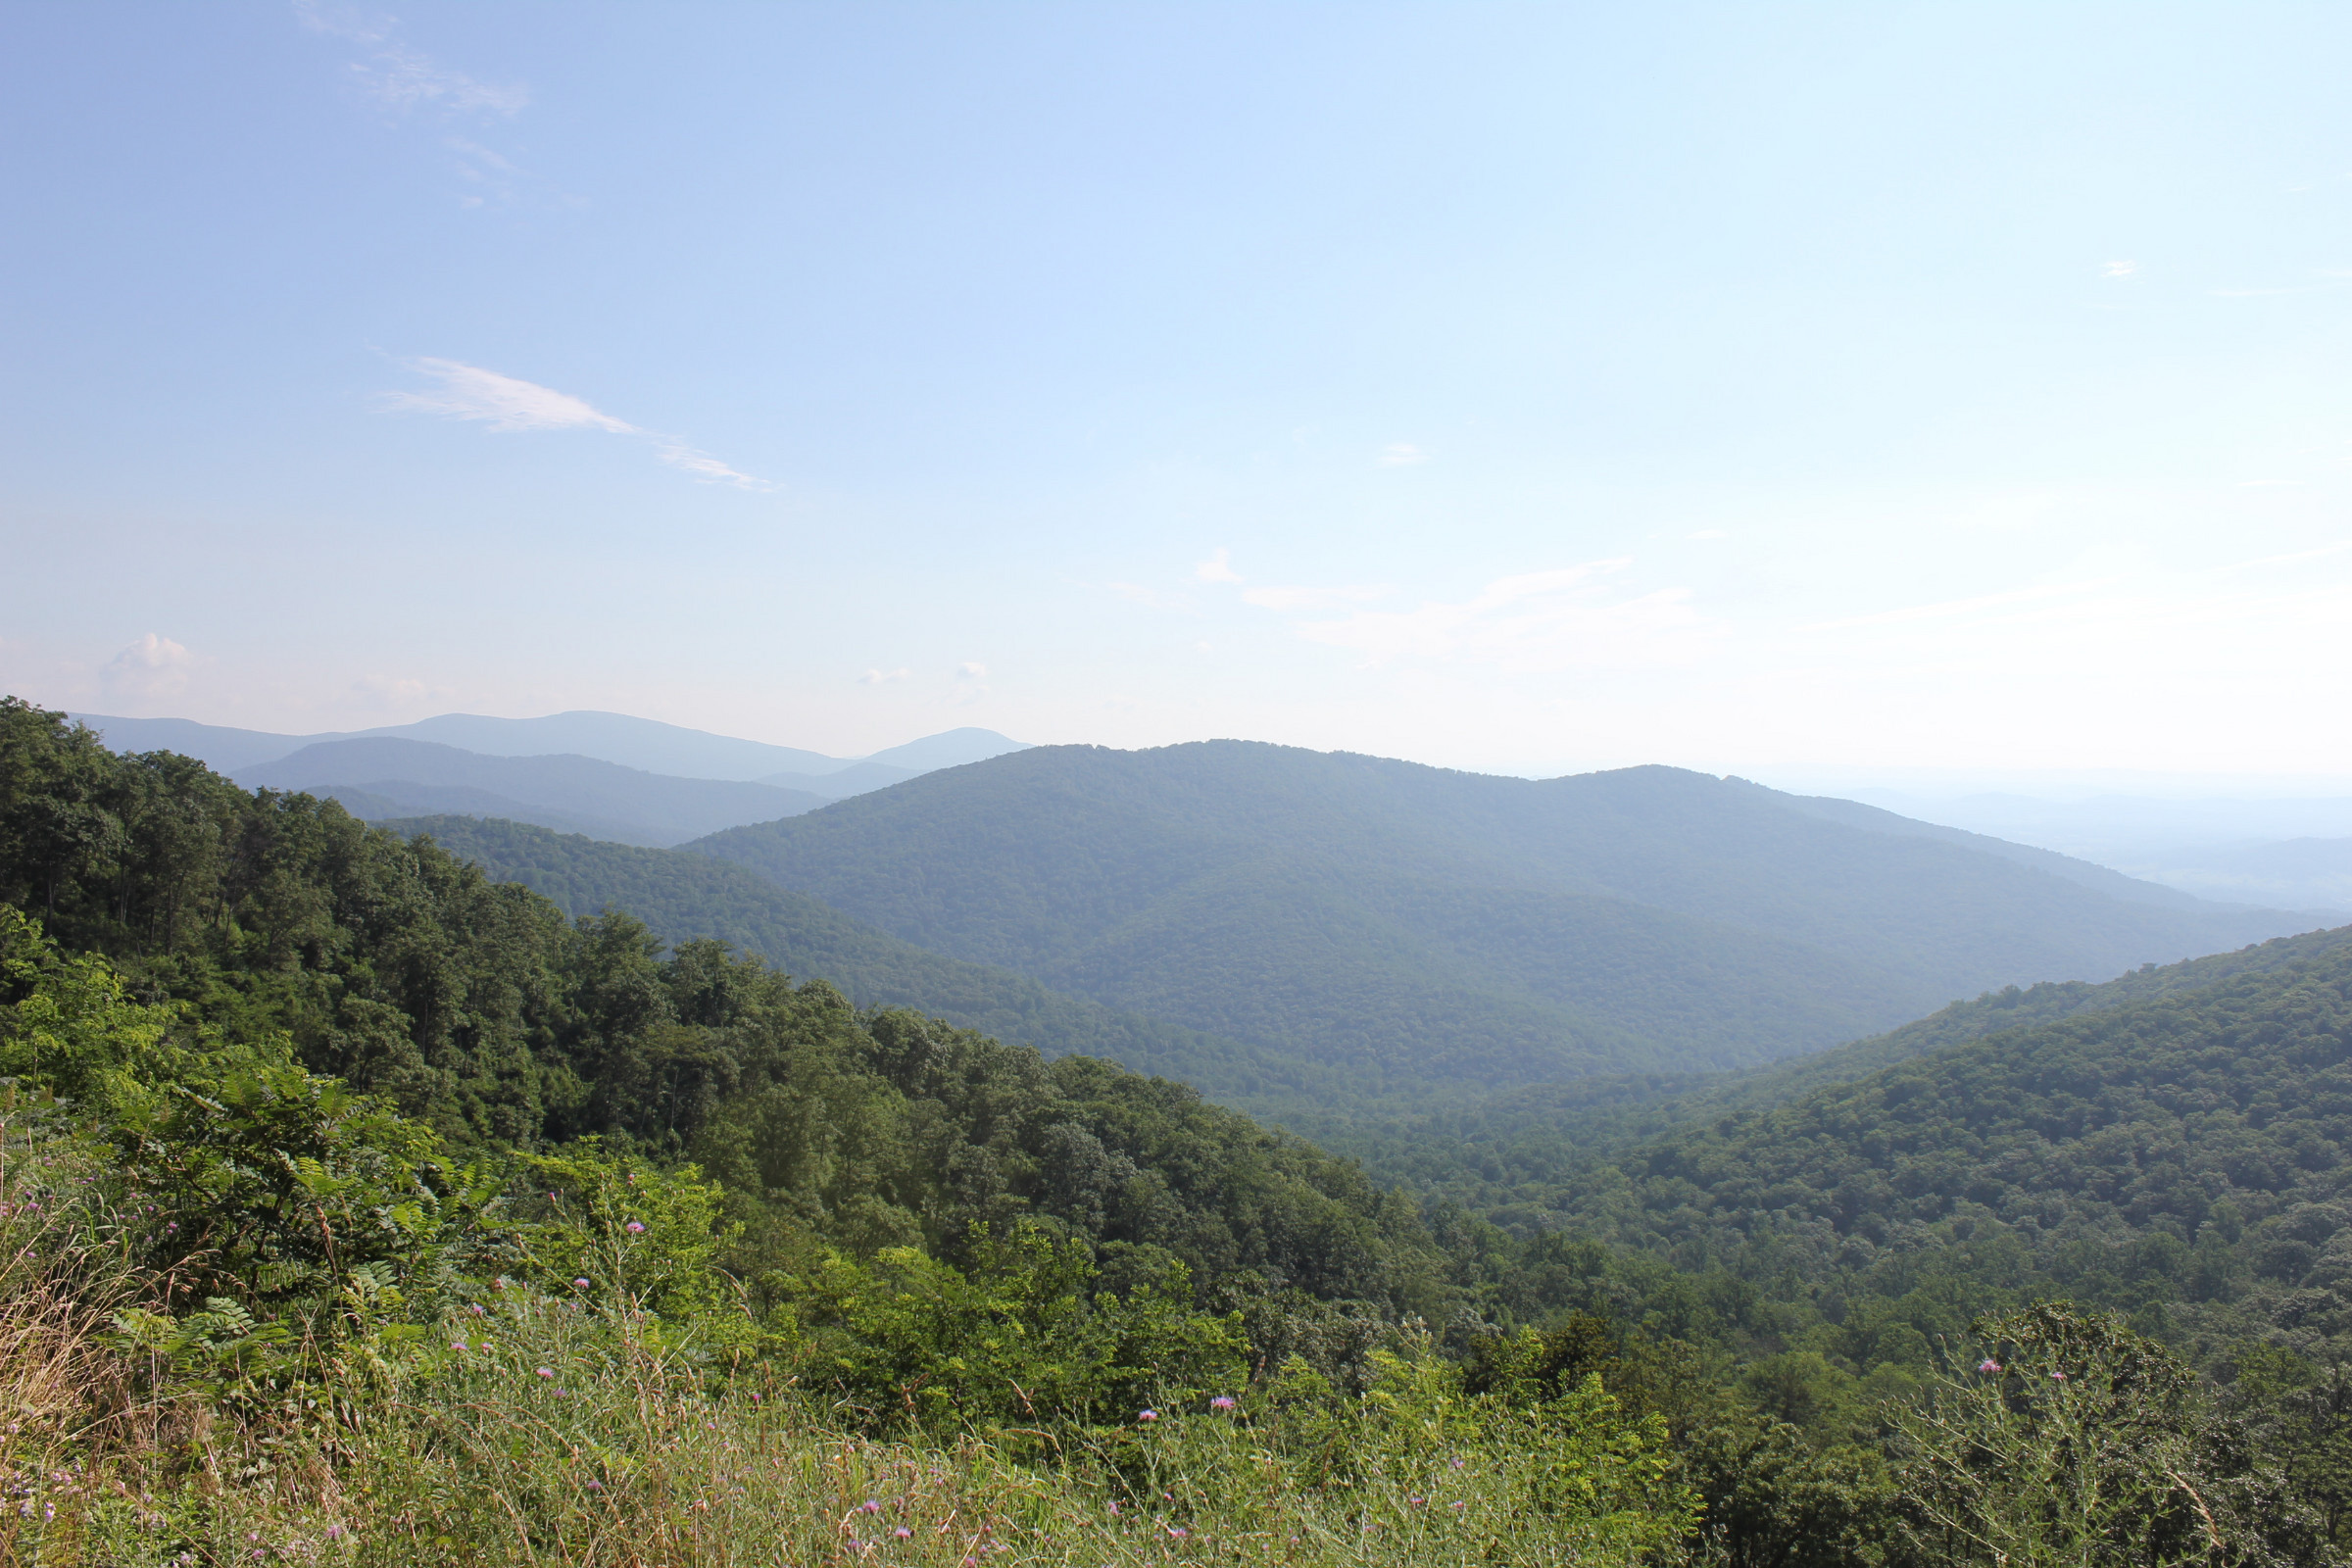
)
(645, 744)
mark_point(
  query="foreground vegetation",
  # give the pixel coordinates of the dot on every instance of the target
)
(358, 1208)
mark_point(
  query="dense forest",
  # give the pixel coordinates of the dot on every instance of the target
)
(362, 1205)
(1396, 919)
(681, 897)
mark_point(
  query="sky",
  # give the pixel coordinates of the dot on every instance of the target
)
(1823, 390)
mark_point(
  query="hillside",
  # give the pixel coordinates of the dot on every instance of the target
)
(682, 897)
(576, 793)
(1380, 914)
(1544, 1133)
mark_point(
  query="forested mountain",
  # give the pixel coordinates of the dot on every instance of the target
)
(2186, 1155)
(1556, 1126)
(1380, 914)
(579, 793)
(683, 896)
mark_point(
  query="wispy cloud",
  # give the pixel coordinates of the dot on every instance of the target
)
(1536, 622)
(152, 666)
(884, 677)
(400, 76)
(409, 86)
(971, 669)
(1401, 454)
(506, 403)
(502, 402)
(1218, 568)
(2118, 269)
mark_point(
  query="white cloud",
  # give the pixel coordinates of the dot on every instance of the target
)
(1538, 622)
(705, 467)
(2118, 269)
(1710, 533)
(1399, 455)
(1218, 568)
(506, 403)
(1311, 598)
(469, 392)
(152, 666)
(970, 669)
(403, 77)
(883, 677)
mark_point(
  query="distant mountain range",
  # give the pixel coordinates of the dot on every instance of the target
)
(1412, 922)
(605, 775)
(645, 744)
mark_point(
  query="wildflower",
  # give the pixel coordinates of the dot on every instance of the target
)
(1457, 1505)
(1988, 1364)
(902, 1533)
(870, 1506)
(634, 1227)
(2057, 1377)
(334, 1532)
(457, 1345)
(1147, 1415)
(547, 1371)
(1457, 1461)
(1223, 1402)
(475, 1309)
(1114, 1510)
(1178, 1531)
(594, 1485)
(1415, 1502)
(579, 1285)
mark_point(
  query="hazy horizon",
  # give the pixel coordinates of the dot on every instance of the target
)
(1846, 393)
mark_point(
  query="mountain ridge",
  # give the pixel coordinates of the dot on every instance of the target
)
(1338, 903)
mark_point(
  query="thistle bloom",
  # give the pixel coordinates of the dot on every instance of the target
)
(2057, 1377)
(547, 1371)
(1988, 1364)
(579, 1285)
(635, 1229)
(457, 1345)
(1223, 1402)
(1147, 1415)
(902, 1533)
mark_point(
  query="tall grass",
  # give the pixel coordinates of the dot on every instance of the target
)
(539, 1434)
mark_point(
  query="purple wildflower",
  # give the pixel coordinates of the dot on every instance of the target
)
(1223, 1402)
(579, 1285)
(1147, 1415)
(547, 1371)
(634, 1227)
(1988, 1364)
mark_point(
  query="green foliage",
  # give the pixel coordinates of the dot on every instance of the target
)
(2075, 1440)
(1020, 1336)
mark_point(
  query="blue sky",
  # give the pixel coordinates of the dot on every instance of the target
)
(1532, 389)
